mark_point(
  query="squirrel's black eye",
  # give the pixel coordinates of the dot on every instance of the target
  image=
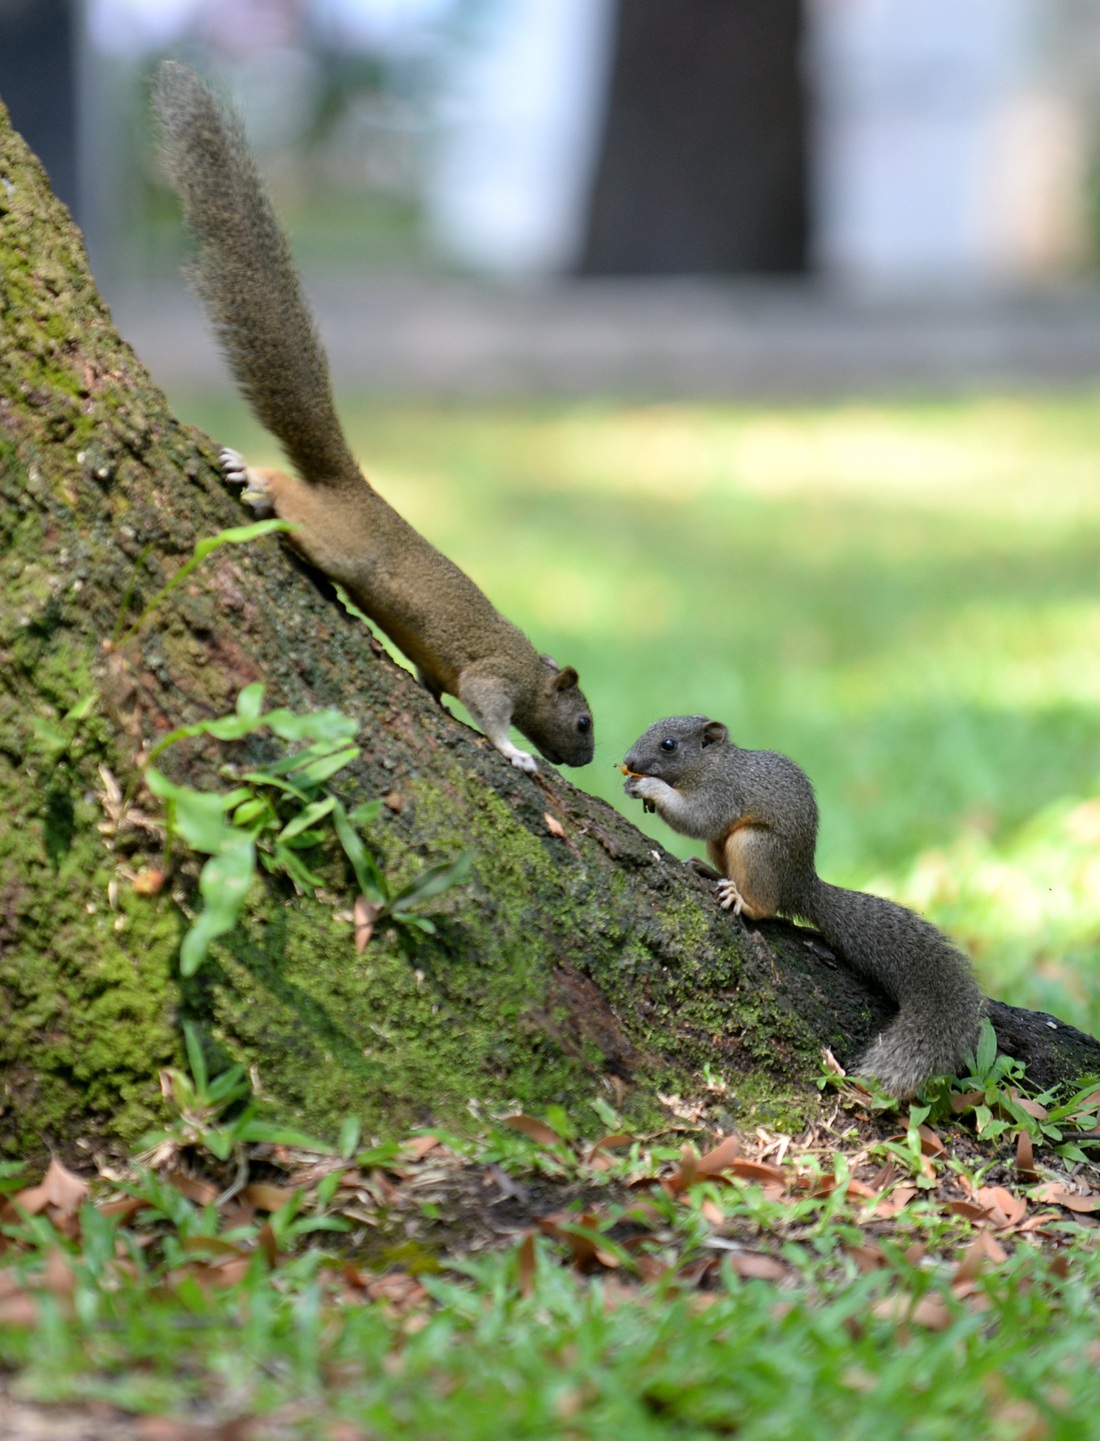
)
(584, 723)
(668, 744)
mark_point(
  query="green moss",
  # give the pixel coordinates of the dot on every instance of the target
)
(85, 1018)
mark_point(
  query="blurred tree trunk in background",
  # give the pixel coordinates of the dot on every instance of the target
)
(703, 165)
(38, 83)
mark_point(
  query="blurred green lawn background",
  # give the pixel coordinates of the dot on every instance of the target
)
(905, 597)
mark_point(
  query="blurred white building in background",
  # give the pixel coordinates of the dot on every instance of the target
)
(949, 143)
(516, 157)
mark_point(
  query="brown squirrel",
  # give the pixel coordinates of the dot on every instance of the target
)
(757, 813)
(246, 279)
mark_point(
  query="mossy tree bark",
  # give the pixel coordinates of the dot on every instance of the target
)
(578, 960)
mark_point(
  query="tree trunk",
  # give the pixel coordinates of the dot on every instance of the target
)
(702, 167)
(577, 961)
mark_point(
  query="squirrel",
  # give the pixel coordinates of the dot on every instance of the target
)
(246, 278)
(757, 813)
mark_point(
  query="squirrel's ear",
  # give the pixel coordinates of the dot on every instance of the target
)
(714, 733)
(565, 679)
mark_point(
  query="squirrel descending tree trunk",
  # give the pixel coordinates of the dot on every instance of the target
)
(460, 644)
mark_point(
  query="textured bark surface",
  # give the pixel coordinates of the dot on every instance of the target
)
(579, 960)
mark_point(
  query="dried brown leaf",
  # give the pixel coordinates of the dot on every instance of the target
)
(574, 1232)
(58, 1275)
(1004, 1208)
(126, 1207)
(930, 1143)
(966, 1101)
(419, 1146)
(381, 1188)
(534, 1129)
(885, 1176)
(752, 1266)
(895, 1203)
(685, 1174)
(268, 1244)
(759, 1171)
(1033, 1108)
(931, 1311)
(860, 1191)
(18, 1309)
(696, 1272)
(553, 825)
(608, 1143)
(364, 915)
(867, 1258)
(969, 1210)
(266, 1197)
(526, 1264)
(210, 1246)
(1072, 1200)
(224, 1272)
(1038, 1224)
(1025, 1158)
(981, 1250)
(201, 1192)
(721, 1157)
(59, 1187)
(651, 1268)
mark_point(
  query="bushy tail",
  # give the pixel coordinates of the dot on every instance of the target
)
(939, 1003)
(246, 277)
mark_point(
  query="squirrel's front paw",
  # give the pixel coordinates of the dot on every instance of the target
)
(730, 897)
(524, 762)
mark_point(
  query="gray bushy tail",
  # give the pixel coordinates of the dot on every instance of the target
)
(939, 1003)
(246, 278)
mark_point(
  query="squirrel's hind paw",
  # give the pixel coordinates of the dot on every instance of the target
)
(233, 466)
(255, 494)
(730, 897)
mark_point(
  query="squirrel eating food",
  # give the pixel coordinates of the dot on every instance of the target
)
(757, 813)
(246, 279)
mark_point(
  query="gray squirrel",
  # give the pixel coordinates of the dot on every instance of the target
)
(246, 279)
(757, 813)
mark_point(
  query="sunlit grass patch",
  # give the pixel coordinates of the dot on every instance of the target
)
(1026, 906)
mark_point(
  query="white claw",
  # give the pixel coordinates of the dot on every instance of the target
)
(730, 897)
(254, 494)
(233, 466)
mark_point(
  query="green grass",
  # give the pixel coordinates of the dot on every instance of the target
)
(572, 1360)
(904, 597)
(165, 1303)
